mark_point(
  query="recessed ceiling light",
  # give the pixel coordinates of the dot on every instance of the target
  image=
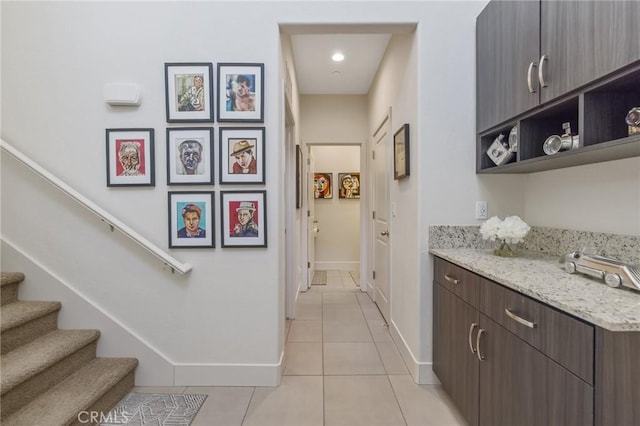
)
(337, 57)
(336, 73)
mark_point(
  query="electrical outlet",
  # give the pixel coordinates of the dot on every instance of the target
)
(482, 211)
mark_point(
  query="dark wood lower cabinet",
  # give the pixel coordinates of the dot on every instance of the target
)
(520, 386)
(454, 363)
(518, 382)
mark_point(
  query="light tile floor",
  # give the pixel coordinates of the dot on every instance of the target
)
(341, 368)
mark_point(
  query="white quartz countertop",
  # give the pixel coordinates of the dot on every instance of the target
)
(542, 278)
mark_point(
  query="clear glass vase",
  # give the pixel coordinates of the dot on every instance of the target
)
(505, 249)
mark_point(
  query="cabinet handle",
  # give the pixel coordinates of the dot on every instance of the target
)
(480, 356)
(450, 279)
(518, 319)
(532, 65)
(543, 59)
(473, 325)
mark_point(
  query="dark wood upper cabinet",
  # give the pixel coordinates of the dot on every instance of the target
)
(540, 64)
(508, 41)
(586, 40)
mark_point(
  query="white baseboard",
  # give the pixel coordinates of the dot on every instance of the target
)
(421, 372)
(337, 266)
(229, 374)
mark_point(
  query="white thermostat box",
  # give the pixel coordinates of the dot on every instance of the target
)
(122, 94)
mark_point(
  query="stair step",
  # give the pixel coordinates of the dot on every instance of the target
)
(22, 322)
(9, 282)
(97, 386)
(32, 369)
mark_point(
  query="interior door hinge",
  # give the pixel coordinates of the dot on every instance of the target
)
(373, 215)
(373, 155)
(308, 213)
(374, 275)
(308, 265)
(308, 161)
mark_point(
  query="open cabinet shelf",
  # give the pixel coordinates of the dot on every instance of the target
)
(596, 114)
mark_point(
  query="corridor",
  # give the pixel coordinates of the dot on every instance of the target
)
(341, 367)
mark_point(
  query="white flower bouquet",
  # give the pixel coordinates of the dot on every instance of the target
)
(507, 233)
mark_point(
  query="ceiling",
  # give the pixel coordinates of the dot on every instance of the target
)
(317, 74)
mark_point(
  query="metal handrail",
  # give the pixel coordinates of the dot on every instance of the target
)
(114, 223)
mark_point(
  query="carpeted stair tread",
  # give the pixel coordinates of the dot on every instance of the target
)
(15, 314)
(62, 403)
(36, 356)
(8, 278)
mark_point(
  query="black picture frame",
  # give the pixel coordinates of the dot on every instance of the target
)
(232, 77)
(185, 101)
(190, 156)
(182, 206)
(349, 185)
(299, 159)
(130, 157)
(401, 157)
(322, 185)
(248, 164)
(252, 205)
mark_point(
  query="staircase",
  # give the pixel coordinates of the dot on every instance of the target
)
(49, 376)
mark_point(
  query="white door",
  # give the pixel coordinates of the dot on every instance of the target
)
(381, 252)
(312, 226)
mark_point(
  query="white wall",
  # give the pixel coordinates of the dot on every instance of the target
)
(338, 242)
(603, 197)
(333, 119)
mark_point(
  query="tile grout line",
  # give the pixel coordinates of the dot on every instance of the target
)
(246, 411)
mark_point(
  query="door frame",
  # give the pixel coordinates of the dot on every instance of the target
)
(385, 120)
(291, 237)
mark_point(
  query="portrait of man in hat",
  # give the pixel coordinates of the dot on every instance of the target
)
(242, 151)
(245, 222)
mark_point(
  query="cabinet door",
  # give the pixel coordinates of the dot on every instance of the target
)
(453, 362)
(521, 386)
(507, 42)
(586, 40)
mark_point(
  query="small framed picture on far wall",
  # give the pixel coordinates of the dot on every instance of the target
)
(401, 153)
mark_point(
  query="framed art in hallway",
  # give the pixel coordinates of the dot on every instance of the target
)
(130, 157)
(240, 92)
(322, 185)
(189, 92)
(401, 153)
(190, 156)
(191, 219)
(349, 185)
(243, 218)
(242, 158)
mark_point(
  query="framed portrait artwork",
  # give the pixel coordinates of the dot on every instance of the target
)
(349, 185)
(242, 157)
(240, 92)
(189, 92)
(322, 185)
(190, 156)
(243, 218)
(130, 157)
(401, 153)
(191, 220)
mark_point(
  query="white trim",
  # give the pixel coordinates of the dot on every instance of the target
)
(197, 374)
(339, 266)
(421, 372)
(102, 214)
